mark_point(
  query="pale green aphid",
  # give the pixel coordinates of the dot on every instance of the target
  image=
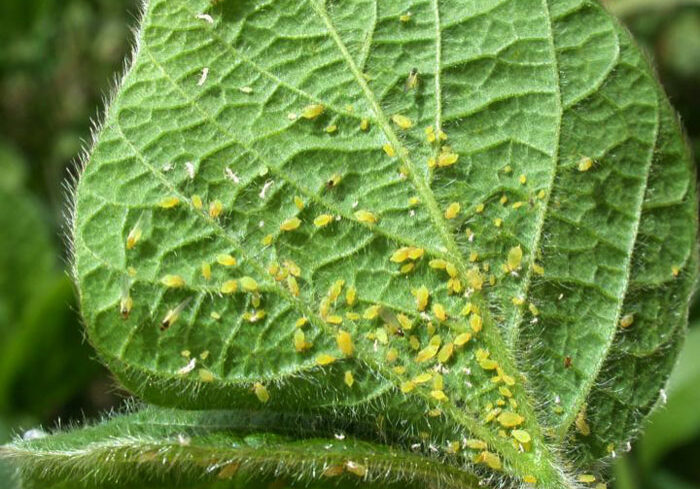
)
(423, 358)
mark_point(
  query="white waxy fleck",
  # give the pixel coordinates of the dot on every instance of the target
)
(167, 167)
(292, 116)
(203, 77)
(561, 296)
(205, 17)
(355, 204)
(188, 368)
(246, 90)
(189, 167)
(228, 173)
(663, 396)
(34, 434)
(261, 224)
(183, 440)
(265, 188)
(412, 213)
(339, 436)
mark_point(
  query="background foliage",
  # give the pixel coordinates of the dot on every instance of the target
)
(57, 59)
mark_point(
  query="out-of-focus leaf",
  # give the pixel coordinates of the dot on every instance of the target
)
(679, 421)
(627, 7)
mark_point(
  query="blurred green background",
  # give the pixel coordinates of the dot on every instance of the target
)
(58, 60)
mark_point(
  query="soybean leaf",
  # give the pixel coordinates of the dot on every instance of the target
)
(467, 227)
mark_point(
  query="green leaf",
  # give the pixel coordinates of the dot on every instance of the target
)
(171, 448)
(565, 230)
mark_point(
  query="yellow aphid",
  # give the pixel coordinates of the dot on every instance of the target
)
(541, 194)
(169, 202)
(627, 320)
(333, 471)
(530, 479)
(452, 210)
(399, 370)
(334, 181)
(432, 162)
(292, 268)
(405, 17)
(205, 375)
(336, 289)
(447, 159)
(407, 386)
(427, 353)
(586, 478)
(301, 322)
(505, 391)
(488, 364)
(290, 224)
(204, 355)
(400, 255)
(468, 309)
(479, 208)
(226, 260)
(405, 322)
(389, 150)
(437, 264)
(407, 268)
(196, 201)
(473, 256)
(414, 342)
(521, 435)
(334, 319)
(581, 424)
(215, 209)
(442, 135)
(356, 469)
(518, 301)
(351, 296)
(349, 379)
(173, 281)
(298, 202)
(422, 378)
(126, 303)
(533, 309)
(229, 287)
(312, 111)
(131, 271)
(490, 459)
(515, 257)
(509, 419)
(353, 316)
(206, 271)
(364, 124)
(415, 253)
(522, 179)
(475, 444)
(498, 222)
(323, 220)
(451, 269)
(585, 164)
(215, 315)
(300, 343)
(371, 312)
(365, 216)
(445, 353)
(430, 134)
(330, 129)
(134, 236)
(475, 279)
(462, 339)
(518, 205)
(249, 284)
(402, 121)
(411, 80)
(475, 322)
(422, 296)
(267, 240)
(538, 269)
(439, 395)
(261, 392)
(439, 311)
(675, 270)
(324, 359)
(392, 355)
(345, 344)
(293, 285)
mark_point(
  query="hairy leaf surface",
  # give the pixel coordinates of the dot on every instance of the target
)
(433, 222)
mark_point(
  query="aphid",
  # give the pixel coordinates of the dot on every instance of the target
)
(427, 353)
(412, 80)
(353, 316)
(267, 240)
(290, 224)
(522, 436)
(261, 392)
(586, 478)
(479, 208)
(173, 281)
(403, 18)
(301, 322)
(402, 121)
(405, 322)
(585, 164)
(518, 301)
(371, 312)
(169, 202)
(538, 269)
(330, 129)
(249, 284)
(522, 179)
(205, 375)
(226, 260)
(205, 17)
(349, 379)
(334, 319)
(365, 216)
(509, 419)
(300, 343)
(581, 424)
(389, 150)
(627, 320)
(323, 220)
(445, 353)
(298, 202)
(126, 302)
(475, 279)
(336, 289)
(518, 205)
(462, 339)
(439, 395)
(675, 270)
(392, 355)
(530, 479)
(407, 268)
(489, 459)
(414, 342)
(351, 296)
(533, 309)
(567, 362)
(206, 271)
(215, 316)
(447, 158)
(364, 124)
(293, 285)
(312, 111)
(439, 311)
(203, 77)
(197, 201)
(134, 235)
(452, 210)
(292, 268)
(174, 314)
(324, 359)
(356, 469)
(442, 135)
(215, 209)
(334, 181)
(229, 287)
(422, 296)
(246, 90)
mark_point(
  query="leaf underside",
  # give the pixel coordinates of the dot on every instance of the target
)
(568, 152)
